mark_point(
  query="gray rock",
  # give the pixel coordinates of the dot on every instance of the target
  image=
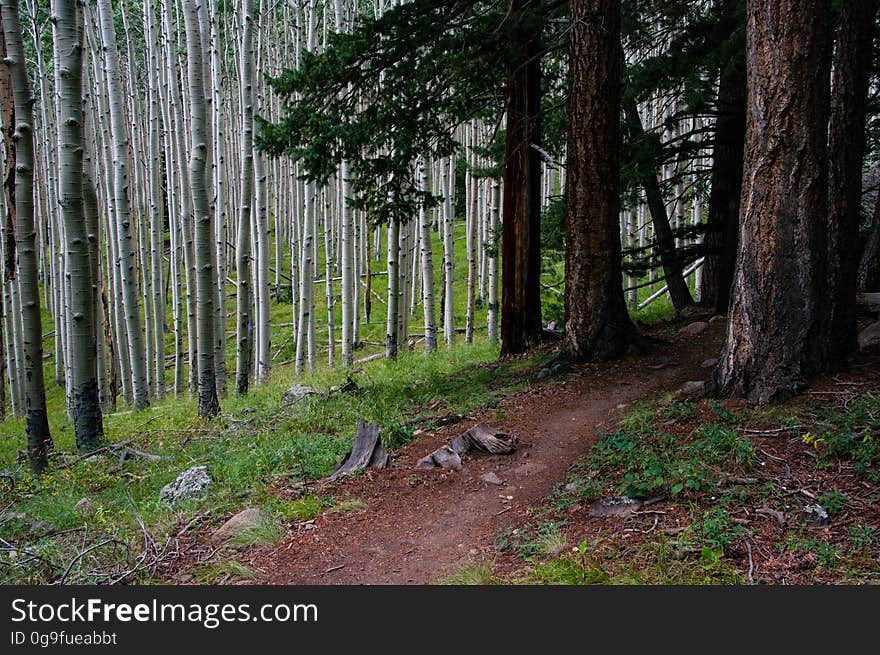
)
(718, 318)
(188, 484)
(491, 478)
(869, 338)
(694, 389)
(543, 373)
(709, 363)
(83, 505)
(244, 520)
(444, 457)
(693, 329)
(559, 367)
(815, 516)
(614, 506)
(297, 392)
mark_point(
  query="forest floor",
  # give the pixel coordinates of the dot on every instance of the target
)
(722, 488)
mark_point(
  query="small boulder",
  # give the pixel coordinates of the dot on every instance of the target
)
(491, 478)
(559, 367)
(246, 519)
(614, 506)
(869, 338)
(543, 373)
(709, 363)
(297, 392)
(694, 389)
(188, 484)
(815, 516)
(83, 505)
(444, 457)
(693, 329)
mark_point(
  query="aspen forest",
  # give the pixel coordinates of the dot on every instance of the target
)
(325, 292)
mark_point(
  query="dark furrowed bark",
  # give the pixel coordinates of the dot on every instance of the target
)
(597, 324)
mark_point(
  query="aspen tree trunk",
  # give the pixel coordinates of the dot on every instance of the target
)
(37, 421)
(349, 277)
(210, 18)
(493, 306)
(86, 407)
(261, 277)
(306, 326)
(128, 265)
(328, 284)
(427, 260)
(471, 241)
(157, 206)
(206, 278)
(448, 177)
(774, 339)
(391, 325)
(244, 347)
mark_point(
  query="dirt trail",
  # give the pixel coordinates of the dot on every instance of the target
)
(420, 525)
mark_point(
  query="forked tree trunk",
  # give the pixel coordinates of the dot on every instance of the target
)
(849, 103)
(774, 335)
(37, 421)
(521, 326)
(206, 274)
(597, 324)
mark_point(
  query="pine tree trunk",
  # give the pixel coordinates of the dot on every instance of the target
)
(774, 336)
(597, 324)
(37, 421)
(206, 274)
(521, 326)
(849, 103)
(722, 224)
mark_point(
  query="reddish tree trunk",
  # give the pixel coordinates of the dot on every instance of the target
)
(521, 236)
(597, 324)
(774, 336)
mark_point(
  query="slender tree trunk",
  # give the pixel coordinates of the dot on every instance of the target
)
(37, 421)
(597, 324)
(125, 232)
(521, 326)
(492, 263)
(206, 277)
(673, 269)
(774, 335)
(244, 297)
(849, 103)
(427, 261)
(83, 389)
(391, 328)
